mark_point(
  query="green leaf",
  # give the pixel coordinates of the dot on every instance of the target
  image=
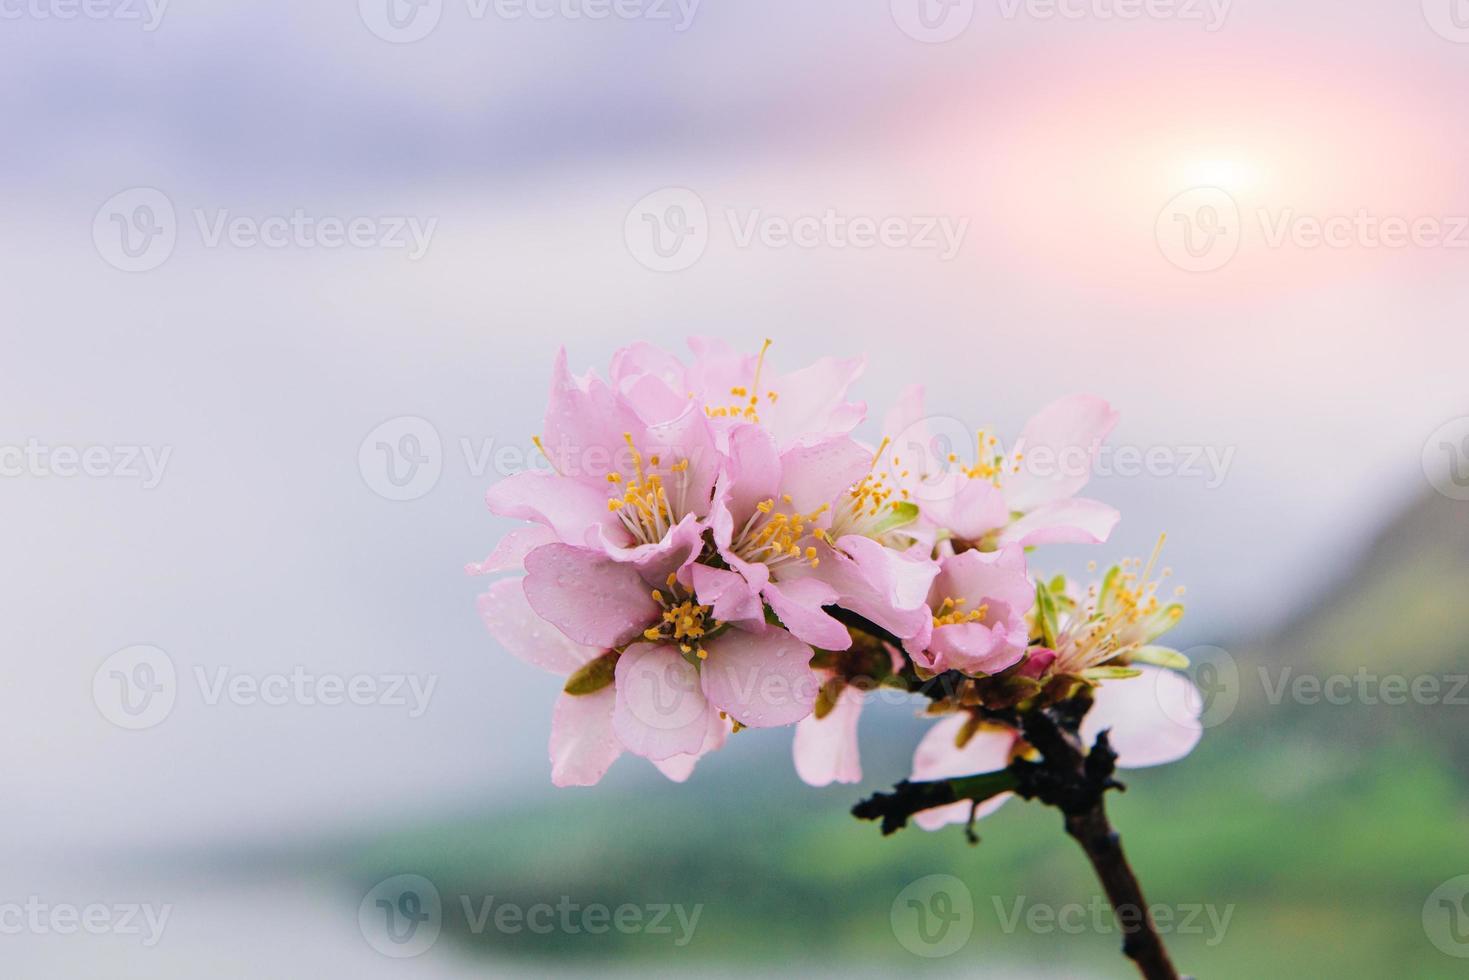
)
(1045, 604)
(1159, 657)
(593, 675)
(1109, 585)
(1110, 673)
(902, 514)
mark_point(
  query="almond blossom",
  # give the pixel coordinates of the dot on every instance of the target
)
(711, 549)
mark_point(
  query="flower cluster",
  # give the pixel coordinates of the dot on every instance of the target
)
(711, 549)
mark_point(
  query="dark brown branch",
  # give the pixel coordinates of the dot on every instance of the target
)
(1067, 776)
(908, 798)
(1076, 783)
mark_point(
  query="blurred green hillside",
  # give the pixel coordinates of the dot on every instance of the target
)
(1324, 826)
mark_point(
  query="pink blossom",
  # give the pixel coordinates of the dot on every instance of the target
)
(630, 477)
(770, 511)
(1026, 496)
(978, 602)
(806, 405)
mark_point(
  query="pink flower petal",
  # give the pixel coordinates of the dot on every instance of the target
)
(798, 603)
(981, 577)
(813, 401)
(588, 596)
(583, 744)
(976, 648)
(1059, 446)
(661, 710)
(655, 561)
(584, 426)
(886, 586)
(733, 599)
(816, 474)
(761, 680)
(570, 508)
(680, 767)
(509, 554)
(1153, 719)
(753, 471)
(511, 620)
(825, 749)
(1073, 521)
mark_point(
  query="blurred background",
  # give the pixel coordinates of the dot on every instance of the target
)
(282, 284)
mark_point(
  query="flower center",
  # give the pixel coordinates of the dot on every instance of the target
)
(951, 613)
(774, 537)
(644, 506)
(1124, 613)
(747, 406)
(684, 621)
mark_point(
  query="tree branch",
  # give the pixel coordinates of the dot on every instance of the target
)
(908, 798)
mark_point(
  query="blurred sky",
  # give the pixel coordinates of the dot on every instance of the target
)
(1062, 141)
